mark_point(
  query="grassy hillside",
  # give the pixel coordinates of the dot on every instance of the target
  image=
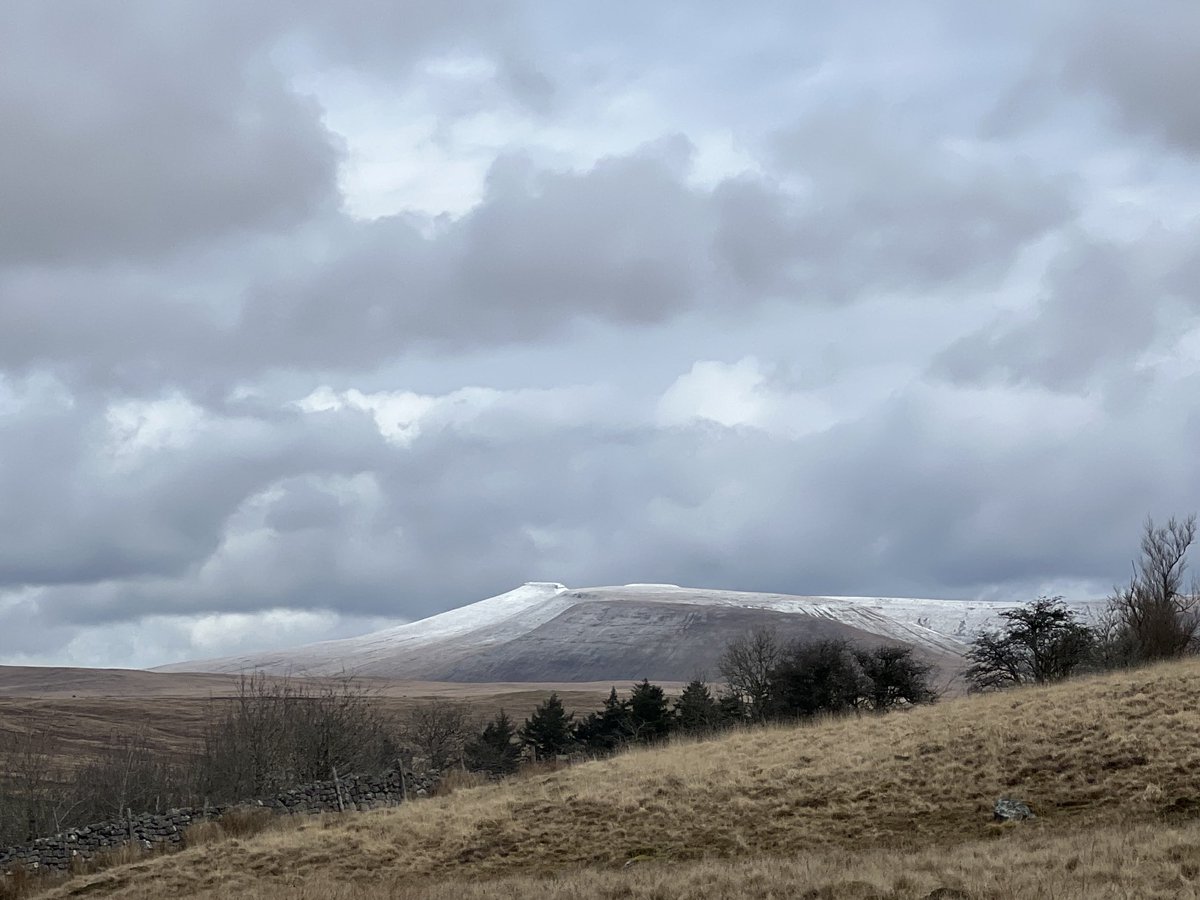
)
(886, 807)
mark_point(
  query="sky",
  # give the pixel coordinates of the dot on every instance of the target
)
(318, 317)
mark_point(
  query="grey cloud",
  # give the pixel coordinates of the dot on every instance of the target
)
(1133, 62)
(891, 208)
(625, 241)
(1142, 60)
(133, 129)
(303, 506)
(386, 37)
(630, 241)
(920, 497)
(76, 514)
(1103, 305)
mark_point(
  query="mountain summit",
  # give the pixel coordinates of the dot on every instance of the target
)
(547, 632)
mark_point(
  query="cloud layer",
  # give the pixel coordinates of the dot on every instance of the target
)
(312, 322)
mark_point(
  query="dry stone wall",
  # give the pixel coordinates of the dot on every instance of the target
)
(159, 830)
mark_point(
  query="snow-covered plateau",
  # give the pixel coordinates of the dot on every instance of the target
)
(545, 631)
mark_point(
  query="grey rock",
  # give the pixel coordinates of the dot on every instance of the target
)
(1008, 810)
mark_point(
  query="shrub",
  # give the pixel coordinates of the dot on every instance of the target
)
(894, 676)
(817, 677)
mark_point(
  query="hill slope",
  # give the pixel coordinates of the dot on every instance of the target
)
(891, 806)
(548, 632)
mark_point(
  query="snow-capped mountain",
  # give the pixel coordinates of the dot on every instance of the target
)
(548, 632)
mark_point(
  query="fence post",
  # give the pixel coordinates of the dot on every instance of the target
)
(337, 789)
(403, 780)
(129, 822)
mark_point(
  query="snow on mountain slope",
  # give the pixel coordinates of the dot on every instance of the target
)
(547, 632)
(476, 625)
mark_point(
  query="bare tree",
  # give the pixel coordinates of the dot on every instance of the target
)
(1040, 642)
(746, 666)
(35, 794)
(438, 730)
(128, 772)
(40, 797)
(1154, 617)
(280, 732)
(340, 725)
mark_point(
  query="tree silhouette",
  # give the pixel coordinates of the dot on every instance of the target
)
(548, 729)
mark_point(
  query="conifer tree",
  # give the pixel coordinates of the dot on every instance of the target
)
(649, 714)
(696, 710)
(548, 729)
(607, 730)
(495, 750)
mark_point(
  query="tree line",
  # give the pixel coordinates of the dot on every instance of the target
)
(764, 679)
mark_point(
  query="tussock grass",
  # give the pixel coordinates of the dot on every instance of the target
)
(887, 806)
(457, 780)
(237, 823)
(1113, 863)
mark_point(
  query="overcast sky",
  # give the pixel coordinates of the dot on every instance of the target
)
(316, 317)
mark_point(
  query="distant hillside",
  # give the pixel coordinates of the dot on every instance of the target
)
(551, 633)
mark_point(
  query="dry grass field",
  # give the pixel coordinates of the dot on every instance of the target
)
(81, 709)
(897, 806)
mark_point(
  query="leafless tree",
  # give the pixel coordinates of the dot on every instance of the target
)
(35, 794)
(279, 732)
(129, 772)
(438, 731)
(746, 666)
(1155, 616)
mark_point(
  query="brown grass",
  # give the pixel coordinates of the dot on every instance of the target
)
(237, 823)
(1139, 863)
(81, 709)
(888, 807)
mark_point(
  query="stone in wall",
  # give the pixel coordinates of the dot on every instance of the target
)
(156, 830)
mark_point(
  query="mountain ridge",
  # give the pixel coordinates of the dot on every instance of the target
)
(546, 631)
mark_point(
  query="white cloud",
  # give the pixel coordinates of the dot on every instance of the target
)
(728, 394)
(743, 394)
(137, 428)
(402, 416)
